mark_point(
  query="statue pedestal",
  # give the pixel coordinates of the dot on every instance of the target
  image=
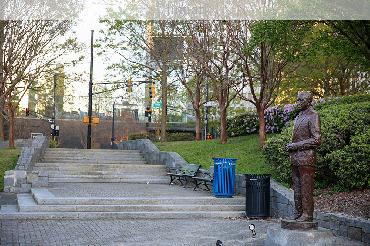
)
(277, 236)
(298, 225)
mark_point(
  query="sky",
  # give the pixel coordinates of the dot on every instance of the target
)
(88, 20)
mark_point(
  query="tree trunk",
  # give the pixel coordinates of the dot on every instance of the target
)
(11, 126)
(262, 125)
(196, 106)
(223, 115)
(2, 82)
(164, 102)
(2, 120)
(198, 128)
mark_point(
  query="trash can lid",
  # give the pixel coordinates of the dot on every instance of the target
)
(222, 158)
(264, 175)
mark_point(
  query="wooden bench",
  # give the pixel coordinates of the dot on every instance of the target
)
(185, 173)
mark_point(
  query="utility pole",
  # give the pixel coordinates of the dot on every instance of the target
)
(88, 145)
(113, 114)
(54, 109)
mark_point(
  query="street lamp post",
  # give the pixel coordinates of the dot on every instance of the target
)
(207, 112)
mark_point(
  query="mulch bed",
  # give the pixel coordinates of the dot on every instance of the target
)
(353, 203)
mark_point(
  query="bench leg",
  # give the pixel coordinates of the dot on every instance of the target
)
(205, 184)
(171, 180)
(196, 184)
(186, 182)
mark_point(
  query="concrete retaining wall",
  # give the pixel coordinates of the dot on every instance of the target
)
(281, 198)
(22, 179)
(152, 154)
(345, 226)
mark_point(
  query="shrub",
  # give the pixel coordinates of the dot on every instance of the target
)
(278, 157)
(342, 100)
(242, 124)
(138, 136)
(180, 136)
(352, 163)
(171, 136)
(344, 149)
(53, 143)
(276, 117)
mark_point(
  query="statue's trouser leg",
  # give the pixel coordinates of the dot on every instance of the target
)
(297, 191)
(307, 174)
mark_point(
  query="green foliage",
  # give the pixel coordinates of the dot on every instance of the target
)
(276, 118)
(53, 143)
(171, 136)
(8, 160)
(241, 125)
(180, 136)
(343, 100)
(332, 65)
(352, 162)
(278, 157)
(343, 157)
(287, 38)
(139, 136)
(245, 149)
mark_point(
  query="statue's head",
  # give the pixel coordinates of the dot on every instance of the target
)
(304, 100)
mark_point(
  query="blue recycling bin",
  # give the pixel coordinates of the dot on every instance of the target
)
(224, 177)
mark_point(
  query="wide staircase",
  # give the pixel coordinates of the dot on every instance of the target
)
(113, 184)
(99, 166)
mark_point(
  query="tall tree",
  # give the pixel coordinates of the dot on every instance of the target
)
(28, 52)
(272, 46)
(192, 73)
(222, 68)
(2, 84)
(332, 66)
(148, 49)
(357, 32)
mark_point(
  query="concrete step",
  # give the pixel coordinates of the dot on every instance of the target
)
(96, 179)
(94, 161)
(77, 156)
(43, 196)
(63, 150)
(26, 203)
(69, 154)
(98, 170)
(11, 212)
(99, 173)
(97, 167)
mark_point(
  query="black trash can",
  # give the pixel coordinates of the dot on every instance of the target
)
(257, 204)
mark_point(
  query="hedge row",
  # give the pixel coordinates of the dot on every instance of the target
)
(276, 119)
(343, 157)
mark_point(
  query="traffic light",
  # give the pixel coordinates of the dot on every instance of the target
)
(152, 90)
(55, 133)
(129, 85)
(27, 112)
(148, 111)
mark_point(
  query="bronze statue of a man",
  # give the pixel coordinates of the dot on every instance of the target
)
(305, 139)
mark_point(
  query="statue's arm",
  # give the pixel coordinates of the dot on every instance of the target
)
(314, 140)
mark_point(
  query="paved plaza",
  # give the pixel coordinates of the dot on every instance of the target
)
(122, 204)
(131, 232)
(164, 232)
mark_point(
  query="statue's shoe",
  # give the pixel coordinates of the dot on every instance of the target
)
(304, 218)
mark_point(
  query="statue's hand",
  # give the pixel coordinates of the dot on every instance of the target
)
(290, 147)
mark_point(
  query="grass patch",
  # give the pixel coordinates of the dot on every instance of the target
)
(246, 149)
(8, 160)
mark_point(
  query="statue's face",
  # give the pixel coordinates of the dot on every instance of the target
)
(303, 101)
